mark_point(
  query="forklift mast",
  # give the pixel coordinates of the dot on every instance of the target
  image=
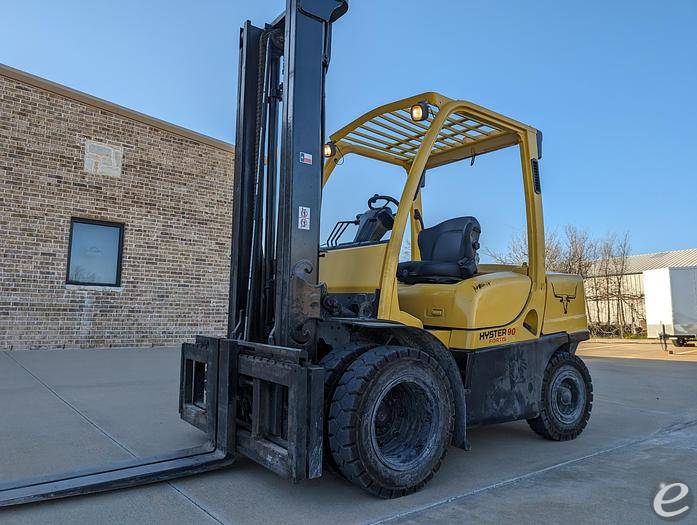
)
(274, 290)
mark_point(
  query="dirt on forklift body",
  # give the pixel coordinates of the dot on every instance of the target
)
(340, 356)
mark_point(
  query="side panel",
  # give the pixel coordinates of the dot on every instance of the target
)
(352, 270)
(565, 310)
(505, 382)
(659, 307)
(486, 300)
(683, 285)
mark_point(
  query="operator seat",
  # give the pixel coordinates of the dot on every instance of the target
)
(448, 253)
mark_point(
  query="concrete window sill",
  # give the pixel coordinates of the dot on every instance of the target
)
(89, 288)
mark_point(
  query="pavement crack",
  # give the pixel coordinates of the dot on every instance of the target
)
(110, 437)
(73, 407)
(196, 504)
(669, 429)
(632, 407)
(676, 427)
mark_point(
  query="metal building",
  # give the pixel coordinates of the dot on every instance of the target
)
(615, 291)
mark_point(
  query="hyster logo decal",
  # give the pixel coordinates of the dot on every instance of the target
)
(565, 298)
(498, 335)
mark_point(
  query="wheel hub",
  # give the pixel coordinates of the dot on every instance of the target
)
(565, 396)
(402, 424)
(568, 395)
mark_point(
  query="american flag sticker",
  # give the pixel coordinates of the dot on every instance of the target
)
(305, 158)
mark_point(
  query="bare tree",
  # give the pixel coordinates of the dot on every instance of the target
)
(517, 252)
(602, 290)
(618, 264)
(405, 251)
(579, 251)
(608, 288)
(602, 263)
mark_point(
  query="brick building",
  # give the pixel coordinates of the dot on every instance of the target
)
(114, 226)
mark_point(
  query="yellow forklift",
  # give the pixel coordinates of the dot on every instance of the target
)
(459, 343)
(340, 356)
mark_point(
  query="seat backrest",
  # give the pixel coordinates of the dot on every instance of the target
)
(453, 240)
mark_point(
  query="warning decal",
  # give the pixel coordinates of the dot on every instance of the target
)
(303, 218)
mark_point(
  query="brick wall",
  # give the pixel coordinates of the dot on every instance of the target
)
(174, 197)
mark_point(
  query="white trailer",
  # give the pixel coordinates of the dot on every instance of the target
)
(671, 303)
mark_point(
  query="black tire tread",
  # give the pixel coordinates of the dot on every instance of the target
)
(542, 424)
(343, 418)
(335, 364)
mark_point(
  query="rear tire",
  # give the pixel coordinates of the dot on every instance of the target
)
(391, 419)
(567, 398)
(679, 341)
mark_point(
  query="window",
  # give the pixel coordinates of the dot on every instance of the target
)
(492, 191)
(353, 182)
(94, 253)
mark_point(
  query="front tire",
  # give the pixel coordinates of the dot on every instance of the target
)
(567, 398)
(335, 364)
(391, 419)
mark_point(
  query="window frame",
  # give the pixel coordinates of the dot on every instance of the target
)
(119, 261)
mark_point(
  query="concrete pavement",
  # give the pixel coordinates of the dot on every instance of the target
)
(66, 409)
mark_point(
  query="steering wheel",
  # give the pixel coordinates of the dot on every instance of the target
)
(385, 198)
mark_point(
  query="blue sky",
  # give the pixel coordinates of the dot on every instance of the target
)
(611, 84)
